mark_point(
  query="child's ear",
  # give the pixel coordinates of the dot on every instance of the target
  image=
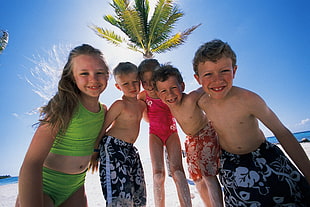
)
(117, 86)
(234, 70)
(197, 78)
(183, 86)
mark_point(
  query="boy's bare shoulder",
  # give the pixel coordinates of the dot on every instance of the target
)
(245, 93)
(195, 94)
(118, 104)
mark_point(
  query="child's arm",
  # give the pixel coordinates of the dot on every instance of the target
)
(30, 176)
(142, 97)
(145, 116)
(196, 94)
(285, 137)
(111, 115)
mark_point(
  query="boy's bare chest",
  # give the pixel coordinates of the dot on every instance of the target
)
(133, 112)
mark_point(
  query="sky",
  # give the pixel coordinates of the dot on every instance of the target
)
(270, 38)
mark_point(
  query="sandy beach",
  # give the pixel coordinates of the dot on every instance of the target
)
(8, 192)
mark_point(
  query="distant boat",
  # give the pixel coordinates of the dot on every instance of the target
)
(4, 39)
(4, 176)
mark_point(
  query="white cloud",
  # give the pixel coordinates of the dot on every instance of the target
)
(304, 122)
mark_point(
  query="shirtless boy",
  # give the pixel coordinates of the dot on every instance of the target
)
(202, 148)
(121, 172)
(253, 171)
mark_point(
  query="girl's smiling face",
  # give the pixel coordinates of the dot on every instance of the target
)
(90, 75)
(148, 84)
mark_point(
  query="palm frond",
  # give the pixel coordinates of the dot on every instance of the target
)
(119, 6)
(163, 20)
(134, 48)
(133, 27)
(144, 35)
(143, 8)
(164, 30)
(112, 20)
(109, 35)
(177, 40)
(4, 39)
(172, 42)
(188, 31)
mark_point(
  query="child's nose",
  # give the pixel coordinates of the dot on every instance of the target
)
(217, 77)
(93, 77)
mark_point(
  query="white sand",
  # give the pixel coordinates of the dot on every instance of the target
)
(8, 193)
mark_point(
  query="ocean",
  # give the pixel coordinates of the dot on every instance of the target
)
(299, 136)
(9, 180)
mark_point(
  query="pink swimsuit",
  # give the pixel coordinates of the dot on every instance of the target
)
(162, 123)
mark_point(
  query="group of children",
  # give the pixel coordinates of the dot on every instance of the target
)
(220, 122)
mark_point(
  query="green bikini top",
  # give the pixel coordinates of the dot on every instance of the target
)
(81, 135)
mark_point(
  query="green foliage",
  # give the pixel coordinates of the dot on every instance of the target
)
(142, 34)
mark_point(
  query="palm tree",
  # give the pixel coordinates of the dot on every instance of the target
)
(145, 35)
(4, 39)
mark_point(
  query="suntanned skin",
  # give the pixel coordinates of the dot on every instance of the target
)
(90, 76)
(124, 116)
(173, 147)
(184, 107)
(235, 112)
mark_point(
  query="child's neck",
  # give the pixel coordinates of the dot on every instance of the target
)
(130, 99)
(91, 104)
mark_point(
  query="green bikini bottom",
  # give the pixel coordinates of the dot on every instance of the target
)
(60, 186)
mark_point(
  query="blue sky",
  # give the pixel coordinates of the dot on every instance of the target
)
(270, 38)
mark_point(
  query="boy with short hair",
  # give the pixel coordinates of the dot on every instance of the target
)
(202, 148)
(253, 171)
(121, 172)
(163, 135)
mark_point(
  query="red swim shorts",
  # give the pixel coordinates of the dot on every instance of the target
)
(202, 152)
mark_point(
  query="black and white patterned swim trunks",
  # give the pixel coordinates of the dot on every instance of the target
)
(121, 173)
(265, 177)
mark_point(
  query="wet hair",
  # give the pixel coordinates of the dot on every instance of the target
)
(213, 51)
(124, 68)
(146, 66)
(59, 110)
(165, 71)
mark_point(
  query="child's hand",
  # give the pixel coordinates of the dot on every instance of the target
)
(93, 164)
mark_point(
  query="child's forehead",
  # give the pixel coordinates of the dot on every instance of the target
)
(126, 75)
(221, 62)
(171, 80)
(147, 74)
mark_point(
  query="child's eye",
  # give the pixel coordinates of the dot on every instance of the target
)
(207, 74)
(84, 73)
(226, 71)
(101, 73)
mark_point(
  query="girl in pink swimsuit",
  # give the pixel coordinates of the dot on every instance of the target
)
(162, 133)
(162, 124)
